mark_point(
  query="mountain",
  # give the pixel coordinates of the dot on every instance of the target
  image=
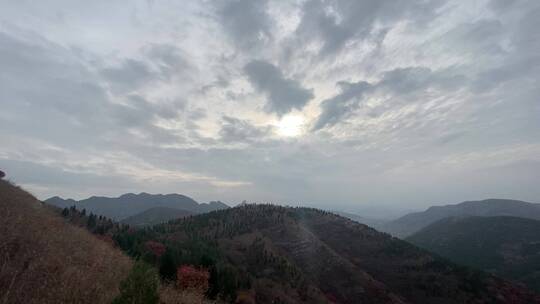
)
(272, 254)
(43, 259)
(156, 215)
(371, 222)
(130, 204)
(413, 222)
(506, 246)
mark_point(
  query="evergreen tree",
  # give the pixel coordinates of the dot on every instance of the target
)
(167, 267)
(91, 223)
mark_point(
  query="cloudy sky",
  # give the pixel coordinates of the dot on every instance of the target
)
(338, 103)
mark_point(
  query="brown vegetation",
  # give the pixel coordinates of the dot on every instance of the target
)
(170, 294)
(43, 259)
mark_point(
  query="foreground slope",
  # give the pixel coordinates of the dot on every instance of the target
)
(413, 222)
(156, 215)
(506, 246)
(43, 259)
(129, 204)
(277, 254)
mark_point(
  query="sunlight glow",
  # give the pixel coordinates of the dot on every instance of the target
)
(290, 126)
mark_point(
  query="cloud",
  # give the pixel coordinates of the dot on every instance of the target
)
(283, 95)
(246, 22)
(160, 63)
(236, 130)
(341, 105)
(336, 23)
(394, 85)
(183, 97)
(129, 74)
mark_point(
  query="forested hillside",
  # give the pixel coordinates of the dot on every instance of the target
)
(271, 254)
(506, 246)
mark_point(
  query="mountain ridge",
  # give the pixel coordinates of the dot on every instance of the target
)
(129, 204)
(155, 215)
(413, 222)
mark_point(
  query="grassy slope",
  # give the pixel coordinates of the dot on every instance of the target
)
(43, 259)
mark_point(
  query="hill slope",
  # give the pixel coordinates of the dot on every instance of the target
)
(130, 204)
(156, 215)
(45, 260)
(507, 246)
(297, 255)
(413, 222)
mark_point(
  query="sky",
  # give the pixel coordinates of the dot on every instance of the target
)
(351, 104)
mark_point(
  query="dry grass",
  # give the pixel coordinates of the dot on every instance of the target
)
(43, 259)
(169, 294)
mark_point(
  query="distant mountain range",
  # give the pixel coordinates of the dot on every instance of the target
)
(506, 246)
(272, 254)
(130, 204)
(156, 215)
(414, 222)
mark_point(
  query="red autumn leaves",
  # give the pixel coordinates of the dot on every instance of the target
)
(190, 277)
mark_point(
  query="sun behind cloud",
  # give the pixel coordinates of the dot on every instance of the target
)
(291, 126)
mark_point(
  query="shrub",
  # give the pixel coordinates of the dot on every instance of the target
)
(140, 287)
(156, 248)
(190, 277)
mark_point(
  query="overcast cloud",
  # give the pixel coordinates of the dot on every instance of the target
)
(329, 103)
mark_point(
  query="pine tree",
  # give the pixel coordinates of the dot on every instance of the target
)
(167, 267)
(91, 223)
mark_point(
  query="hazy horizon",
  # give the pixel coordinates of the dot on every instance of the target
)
(347, 104)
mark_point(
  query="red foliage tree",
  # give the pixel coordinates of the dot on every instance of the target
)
(156, 248)
(190, 277)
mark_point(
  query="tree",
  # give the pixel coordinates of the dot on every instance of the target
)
(155, 248)
(140, 287)
(167, 266)
(91, 223)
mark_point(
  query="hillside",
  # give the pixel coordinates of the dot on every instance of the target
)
(413, 222)
(43, 259)
(506, 246)
(271, 254)
(156, 215)
(129, 204)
